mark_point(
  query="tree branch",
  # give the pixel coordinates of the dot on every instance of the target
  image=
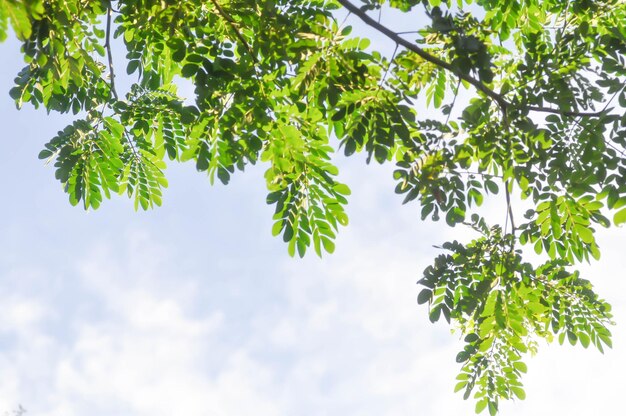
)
(423, 54)
(498, 98)
(565, 113)
(235, 29)
(107, 46)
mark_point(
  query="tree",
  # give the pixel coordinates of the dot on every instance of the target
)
(284, 83)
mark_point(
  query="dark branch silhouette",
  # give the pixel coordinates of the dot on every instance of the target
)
(480, 86)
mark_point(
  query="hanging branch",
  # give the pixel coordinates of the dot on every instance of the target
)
(565, 113)
(107, 46)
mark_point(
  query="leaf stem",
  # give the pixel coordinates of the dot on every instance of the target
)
(508, 206)
(107, 46)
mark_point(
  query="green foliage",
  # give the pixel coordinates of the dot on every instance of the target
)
(504, 305)
(20, 15)
(284, 83)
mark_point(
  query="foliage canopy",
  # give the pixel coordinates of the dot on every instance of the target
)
(284, 83)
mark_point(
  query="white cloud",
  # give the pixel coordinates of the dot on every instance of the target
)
(344, 337)
(130, 328)
(20, 314)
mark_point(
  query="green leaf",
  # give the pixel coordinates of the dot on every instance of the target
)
(460, 386)
(435, 313)
(424, 296)
(462, 357)
(571, 336)
(341, 189)
(620, 217)
(519, 392)
(491, 186)
(277, 228)
(519, 365)
(132, 66)
(584, 339)
(329, 246)
(45, 154)
(19, 18)
(584, 233)
(189, 70)
(481, 405)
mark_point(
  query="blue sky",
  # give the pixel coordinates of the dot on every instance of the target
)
(194, 309)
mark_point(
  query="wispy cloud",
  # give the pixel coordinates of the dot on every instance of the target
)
(124, 328)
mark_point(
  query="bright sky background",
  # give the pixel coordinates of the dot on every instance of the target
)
(194, 309)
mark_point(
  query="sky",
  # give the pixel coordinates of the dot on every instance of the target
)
(195, 309)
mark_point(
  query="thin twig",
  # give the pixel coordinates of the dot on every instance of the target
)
(456, 93)
(508, 206)
(564, 113)
(393, 56)
(107, 46)
(235, 29)
(345, 19)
